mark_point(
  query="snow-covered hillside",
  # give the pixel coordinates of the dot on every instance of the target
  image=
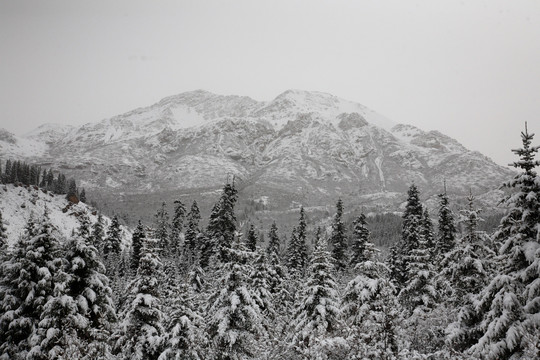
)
(19, 203)
(301, 147)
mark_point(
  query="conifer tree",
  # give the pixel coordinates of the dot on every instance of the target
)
(371, 311)
(446, 239)
(294, 257)
(362, 249)
(3, 235)
(191, 246)
(509, 305)
(98, 233)
(26, 285)
(338, 239)
(410, 236)
(137, 240)
(234, 317)
(222, 225)
(467, 270)
(111, 244)
(82, 196)
(185, 340)
(273, 241)
(252, 238)
(141, 333)
(71, 189)
(177, 225)
(77, 319)
(427, 233)
(88, 284)
(318, 316)
(302, 244)
(161, 231)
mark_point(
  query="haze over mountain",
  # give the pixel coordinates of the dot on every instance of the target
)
(300, 148)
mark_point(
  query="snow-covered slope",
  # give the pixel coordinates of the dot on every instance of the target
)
(18, 203)
(301, 147)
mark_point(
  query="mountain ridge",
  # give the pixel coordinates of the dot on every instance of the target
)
(301, 147)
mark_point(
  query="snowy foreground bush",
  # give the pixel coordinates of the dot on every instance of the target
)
(184, 292)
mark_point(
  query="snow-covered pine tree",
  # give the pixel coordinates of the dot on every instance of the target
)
(137, 240)
(71, 189)
(362, 249)
(446, 238)
(419, 290)
(141, 333)
(222, 225)
(3, 236)
(185, 340)
(252, 239)
(273, 242)
(111, 243)
(302, 243)
(82, 196)
(234, 321)
(338, 239)
(410, 235)
(510, 305)
(177, 224)
(161, 230)
(317, 321)
(371, 310)
(89, 287)
(191, 246)
(98, 233)
(427, 232)
(26, 284)
(294, 257)
(467, 266)
(467, 270)
(77, 319)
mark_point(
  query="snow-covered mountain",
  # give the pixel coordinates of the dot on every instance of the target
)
(301, 147)
(19, 203)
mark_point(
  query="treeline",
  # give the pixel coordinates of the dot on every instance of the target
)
(15, 172)
(181, 291)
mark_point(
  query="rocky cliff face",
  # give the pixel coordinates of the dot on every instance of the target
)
(301, 147)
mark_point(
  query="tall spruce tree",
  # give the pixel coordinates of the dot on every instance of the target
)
(177, 225)
(467, 270)
(222, 225)
(273, 241)
(338, 239)
(410, 237)
(137, 241)
(141, 334)
(252, 238)
(98, 233)
(86, 287)
(446, 239)
(113, 240)
(26, 285)
(191, 246)
(362, 249)
(509, 305)
(234, 321)
(317, 317)
(161, 231)
(371, 311)
(3, 235)
(427, 233)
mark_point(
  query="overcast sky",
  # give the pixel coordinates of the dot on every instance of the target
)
(470, 69)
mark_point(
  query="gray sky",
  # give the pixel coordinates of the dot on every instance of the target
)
(470, 69)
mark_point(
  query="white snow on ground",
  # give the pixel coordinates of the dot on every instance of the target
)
(186, 117)
(18, 202)
(12, 146)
